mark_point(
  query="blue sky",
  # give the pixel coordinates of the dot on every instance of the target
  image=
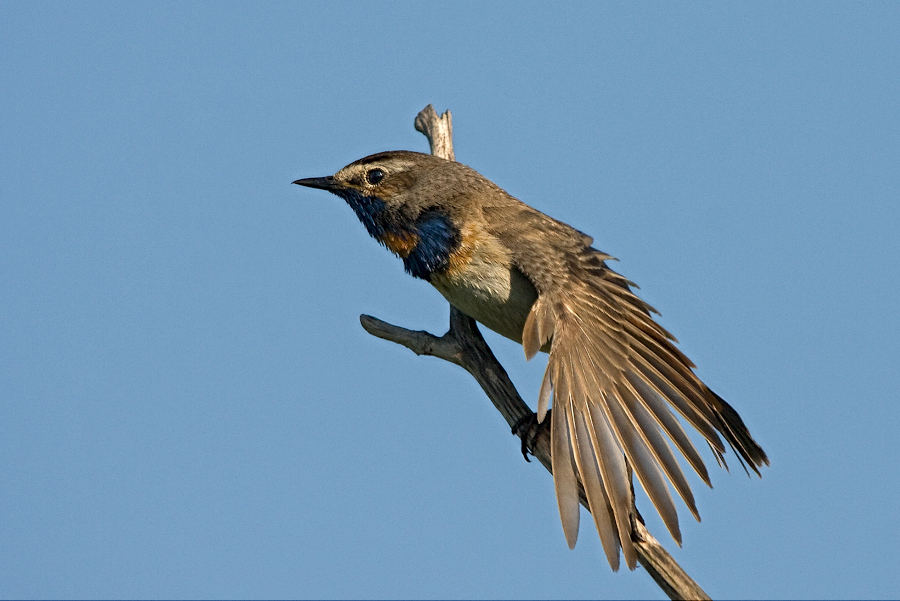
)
(189, 407)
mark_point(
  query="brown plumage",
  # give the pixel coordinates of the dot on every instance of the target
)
(614, 374)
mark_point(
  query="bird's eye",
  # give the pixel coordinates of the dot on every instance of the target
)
(373, 176)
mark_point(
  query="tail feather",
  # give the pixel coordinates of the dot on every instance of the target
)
(738, 435)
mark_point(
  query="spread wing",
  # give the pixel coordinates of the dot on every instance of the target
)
(615, 376)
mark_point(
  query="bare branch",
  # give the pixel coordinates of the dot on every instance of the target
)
(464, 345)
(438, 130)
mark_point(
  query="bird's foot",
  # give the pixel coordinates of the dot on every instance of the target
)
(527, 429)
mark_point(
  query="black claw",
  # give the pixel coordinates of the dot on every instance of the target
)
(527, 428)
(529, 419)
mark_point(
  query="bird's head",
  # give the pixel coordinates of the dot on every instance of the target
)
(405, 201)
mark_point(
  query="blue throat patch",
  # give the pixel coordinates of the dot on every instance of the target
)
(438, 238)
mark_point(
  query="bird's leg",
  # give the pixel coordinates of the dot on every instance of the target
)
(527, 428)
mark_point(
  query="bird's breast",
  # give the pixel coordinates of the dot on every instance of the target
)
(481, 281)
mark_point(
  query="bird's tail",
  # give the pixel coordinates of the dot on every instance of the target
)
(738, 436)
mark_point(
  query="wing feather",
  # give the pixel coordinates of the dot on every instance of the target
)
(655, 443)
(592, 367)
(654, 402)
(615, 379)
(561, 462)
(602, 509)
(609, 456)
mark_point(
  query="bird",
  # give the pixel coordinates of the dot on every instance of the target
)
(614, 376)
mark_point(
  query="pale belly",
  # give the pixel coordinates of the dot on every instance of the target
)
(497, 296)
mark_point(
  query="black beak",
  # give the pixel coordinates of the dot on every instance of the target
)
(322, 183)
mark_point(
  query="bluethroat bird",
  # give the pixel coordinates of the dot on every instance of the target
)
(614, 374)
